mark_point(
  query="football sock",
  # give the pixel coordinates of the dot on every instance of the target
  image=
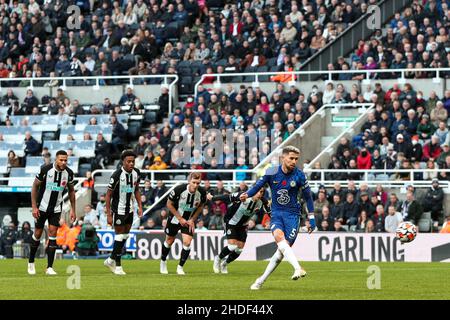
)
(273, 264)
(117, 249)
(33, 248)
(184, 255)
(165, 251)
(233, 256)
(51, 251)
(227, 250)
(288, 253)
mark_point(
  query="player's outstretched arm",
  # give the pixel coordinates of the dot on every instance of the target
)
(34, 196)
(227, 198)
(258, 185)
(175, 212)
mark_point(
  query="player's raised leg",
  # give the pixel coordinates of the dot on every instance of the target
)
(273, 264)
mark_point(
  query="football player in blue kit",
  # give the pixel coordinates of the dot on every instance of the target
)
(285, 182)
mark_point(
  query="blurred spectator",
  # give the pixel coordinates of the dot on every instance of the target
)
(446, 226)
(433, 201)
(216, 221)
(370, 226)
(320, 202)
(61, 235)
(89, 182)
(158, 164)
(156, 195)
(338, 227)
(351, 211)
(7, 240)
(25, 233)
(32, 147)
(393, 219)
(200, 226)
(72, 235)
(90, 216)
(100, 209)
(362, 222)
(87, 241)
(411, 209)
(102, 152)
(13, 160)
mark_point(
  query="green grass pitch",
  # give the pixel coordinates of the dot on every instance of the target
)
(325, 280)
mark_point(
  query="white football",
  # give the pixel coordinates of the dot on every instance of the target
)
(406, 232)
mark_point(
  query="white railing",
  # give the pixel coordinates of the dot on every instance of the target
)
(301, 130)
(160, 199)
(153, 173)
(330, 73)
(348, 130)
(369, 174)
(97, 79)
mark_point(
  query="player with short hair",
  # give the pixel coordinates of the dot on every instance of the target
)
(185, 203)
(285, 181)
(236, 220)
(47, 201)
(123, 190)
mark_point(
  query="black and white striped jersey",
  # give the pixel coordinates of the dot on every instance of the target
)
(53, 185)
(123, 186)
(185, 202)
(239, 212)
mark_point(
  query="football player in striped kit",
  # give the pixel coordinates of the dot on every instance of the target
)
(236, 220)
(185, 203)
(123, 190)
(47, 201)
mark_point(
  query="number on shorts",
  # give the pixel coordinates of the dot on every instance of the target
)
(293, 233)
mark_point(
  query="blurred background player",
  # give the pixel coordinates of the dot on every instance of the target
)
(185, 203)
(236, 221)
(46, 201)
(123, 190)
(285, 181)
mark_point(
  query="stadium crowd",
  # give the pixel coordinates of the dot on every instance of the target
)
(41, 39)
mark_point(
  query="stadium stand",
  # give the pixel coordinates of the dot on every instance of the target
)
(229, 58)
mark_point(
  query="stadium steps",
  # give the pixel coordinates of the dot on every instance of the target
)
(325, 141)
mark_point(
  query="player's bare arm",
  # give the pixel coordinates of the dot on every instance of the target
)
(222, 197)
(175, 212)
(72, 198)
(137, 195)
(34, 196)
(108, 207)
(194, 217)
